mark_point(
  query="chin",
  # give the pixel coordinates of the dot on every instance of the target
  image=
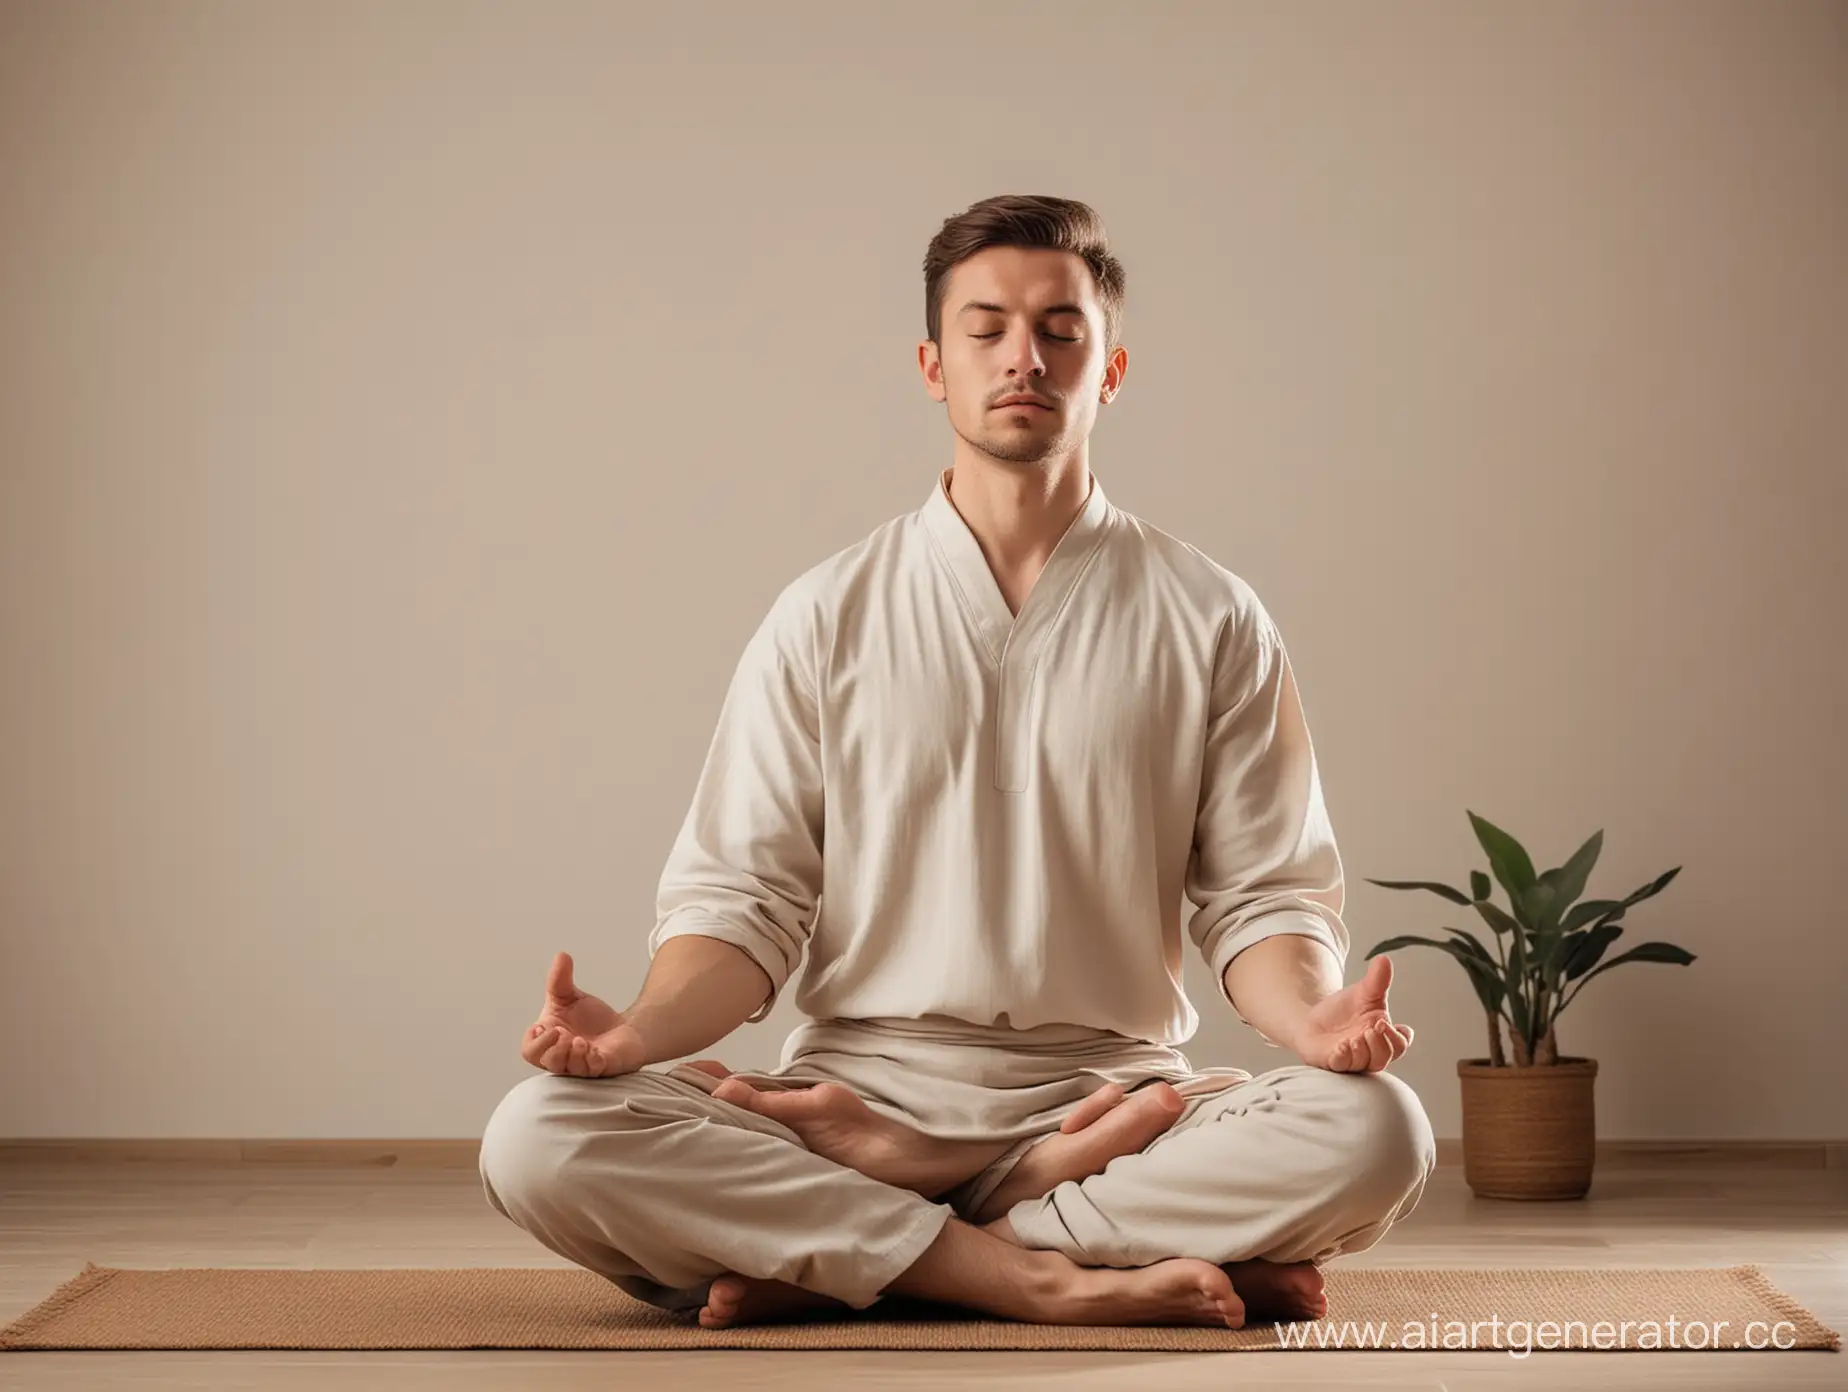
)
(1016, 451)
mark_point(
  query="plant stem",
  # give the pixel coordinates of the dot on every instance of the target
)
(1548, 1051)
(1497, 1058)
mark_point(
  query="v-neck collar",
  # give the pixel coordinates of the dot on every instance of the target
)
(1009, 637)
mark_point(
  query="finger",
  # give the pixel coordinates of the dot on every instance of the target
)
(558, 1056)
(538, 1040)
(1379, 1051)
(1092, 1107)
(1366, 1059)
(1406, 1030)
(1340, 1059)
(580, 1057)
(1401, 1040)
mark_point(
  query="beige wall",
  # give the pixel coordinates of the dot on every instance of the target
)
(407, 411)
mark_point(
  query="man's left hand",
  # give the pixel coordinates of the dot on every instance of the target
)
(1352, 1031)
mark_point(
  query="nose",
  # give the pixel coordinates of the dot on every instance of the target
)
(1026, 358)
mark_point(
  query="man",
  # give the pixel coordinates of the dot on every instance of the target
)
(1024, 725)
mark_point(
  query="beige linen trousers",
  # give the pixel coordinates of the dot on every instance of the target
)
(658, 1186)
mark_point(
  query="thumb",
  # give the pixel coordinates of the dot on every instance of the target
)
(558, 984)
(1378, 978)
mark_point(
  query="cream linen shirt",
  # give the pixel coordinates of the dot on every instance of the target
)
(959, 812)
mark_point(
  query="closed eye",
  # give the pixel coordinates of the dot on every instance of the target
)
(1061, 337)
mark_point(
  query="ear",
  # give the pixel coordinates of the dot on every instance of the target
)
(930, 366)
(1114, 372)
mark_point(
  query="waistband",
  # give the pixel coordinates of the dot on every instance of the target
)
(1052, 1040)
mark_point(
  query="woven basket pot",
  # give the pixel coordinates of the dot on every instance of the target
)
(1528, 1133)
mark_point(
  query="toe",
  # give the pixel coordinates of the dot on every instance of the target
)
(1167, 1096)
(1225, 1300)
(737, 1093)
(823, 1099)
(724, 1296)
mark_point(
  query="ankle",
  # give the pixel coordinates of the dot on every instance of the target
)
(1049, 1277)
(1004, 1230)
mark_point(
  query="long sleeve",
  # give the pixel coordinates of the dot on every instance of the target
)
(1264, 859)
(746, 865)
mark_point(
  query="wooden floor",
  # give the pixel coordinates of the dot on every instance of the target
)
(55, 1215)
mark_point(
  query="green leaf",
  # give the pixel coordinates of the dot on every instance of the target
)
(1406, 940)
(1507, 858)
(1496, 917)
(1574, 873)
(1559, 950)
(1479, 885)
(1481, 969)
(1558, 889)
(1543, 931)
(1591, 947)
(1488, 988)
(1593, 908)
(1453, 895)
(1531, 908)
(1553, 893)
(1643, 952)
(1655, 886)
(1472, 944)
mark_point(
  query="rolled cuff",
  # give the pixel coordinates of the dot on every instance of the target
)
(1298, 921)
(753, 944)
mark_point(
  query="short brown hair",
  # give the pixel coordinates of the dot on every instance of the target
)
(1025, 220)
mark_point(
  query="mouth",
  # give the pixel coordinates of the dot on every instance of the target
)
(1017, 405)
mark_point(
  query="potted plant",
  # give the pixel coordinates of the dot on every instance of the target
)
(1529, 1125)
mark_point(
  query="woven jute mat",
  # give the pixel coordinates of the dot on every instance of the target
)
(1721, 1308)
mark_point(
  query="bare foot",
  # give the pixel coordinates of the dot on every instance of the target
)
(734, 1299)
(1104, 1126)
(1282, 1291)
(835, 1122)
(1180, 1291)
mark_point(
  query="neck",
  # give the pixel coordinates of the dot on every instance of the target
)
(1018, 512)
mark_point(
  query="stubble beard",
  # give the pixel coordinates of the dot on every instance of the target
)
(1011, 446)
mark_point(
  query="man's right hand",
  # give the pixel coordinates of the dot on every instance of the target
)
(578, 1035)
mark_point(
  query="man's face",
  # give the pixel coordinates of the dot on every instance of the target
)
(1019, 321)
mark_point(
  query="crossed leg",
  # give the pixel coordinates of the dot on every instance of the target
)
(1107, 1126)
(670, 1192)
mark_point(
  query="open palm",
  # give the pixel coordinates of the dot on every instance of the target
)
(1353, 1031)
(577, 1033)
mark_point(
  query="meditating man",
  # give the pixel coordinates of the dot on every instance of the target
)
(980, 768)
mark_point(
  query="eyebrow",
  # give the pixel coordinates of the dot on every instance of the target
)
(1002, 309)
